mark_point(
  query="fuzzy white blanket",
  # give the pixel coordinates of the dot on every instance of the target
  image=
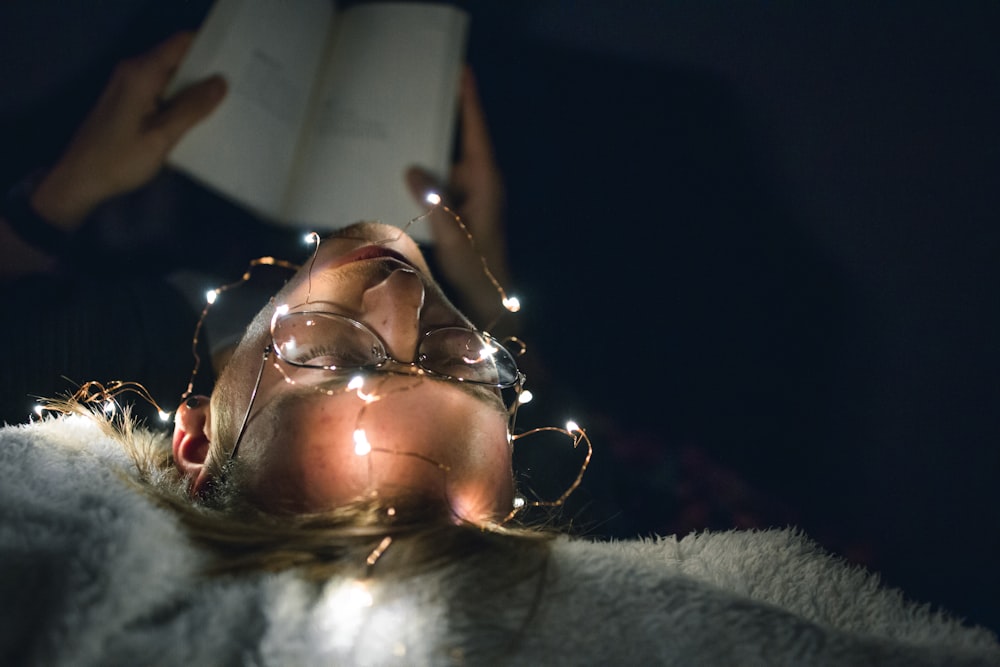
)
(94, 574)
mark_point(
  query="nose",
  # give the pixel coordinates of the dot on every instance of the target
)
(392, 309)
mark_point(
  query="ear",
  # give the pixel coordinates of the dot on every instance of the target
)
(191, 442)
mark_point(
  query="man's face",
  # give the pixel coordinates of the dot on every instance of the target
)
(308, 450)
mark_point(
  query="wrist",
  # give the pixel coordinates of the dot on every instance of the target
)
(29, 224)
(63, 199)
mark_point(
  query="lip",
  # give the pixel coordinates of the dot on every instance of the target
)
(368, 252)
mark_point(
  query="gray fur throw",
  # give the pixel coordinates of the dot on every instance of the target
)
(94, 573)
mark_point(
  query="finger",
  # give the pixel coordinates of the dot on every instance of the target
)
(475, 133)
(420, 183)
(163, 59)
(189, 106)
(140, 81)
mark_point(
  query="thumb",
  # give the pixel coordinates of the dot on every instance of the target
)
(189, 106)
(420, 183)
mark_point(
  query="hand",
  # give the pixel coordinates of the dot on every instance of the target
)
(475, 191)
(125, 139)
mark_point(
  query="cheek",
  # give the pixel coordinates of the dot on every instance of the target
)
(482, 485)
(446, 428)
(305, 461)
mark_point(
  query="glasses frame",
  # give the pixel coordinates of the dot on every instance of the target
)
(414, 367)
(387, 365)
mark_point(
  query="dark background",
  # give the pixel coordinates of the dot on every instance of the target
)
(757, 246)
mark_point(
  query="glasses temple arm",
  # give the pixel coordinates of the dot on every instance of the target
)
(253, 397)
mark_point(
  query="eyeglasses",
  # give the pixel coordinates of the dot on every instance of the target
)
(335, 343)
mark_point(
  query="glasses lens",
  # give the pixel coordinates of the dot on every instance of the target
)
(464, 354)
(325, 340)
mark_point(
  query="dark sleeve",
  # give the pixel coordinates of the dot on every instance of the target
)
(64, 330)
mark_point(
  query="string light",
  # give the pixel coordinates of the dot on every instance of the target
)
(378, 551)
(352, 599)
(355, 385)
(357, 596)
(511, 304)
(210, 297)
(361, 445)
(578, 435)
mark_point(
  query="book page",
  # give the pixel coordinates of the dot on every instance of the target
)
(388, 100)
(269, 53)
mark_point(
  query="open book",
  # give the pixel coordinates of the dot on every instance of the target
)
(326, 109)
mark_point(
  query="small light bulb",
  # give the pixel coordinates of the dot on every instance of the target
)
(109, 406)
(525, 397)
(164, 415)
(282, 309)
(38, 410)
(361, 444)
(432, 198)
(572, 426)
(519, 502)
(211, 295)
(512, 303)
(356, 383)
(310, 238)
